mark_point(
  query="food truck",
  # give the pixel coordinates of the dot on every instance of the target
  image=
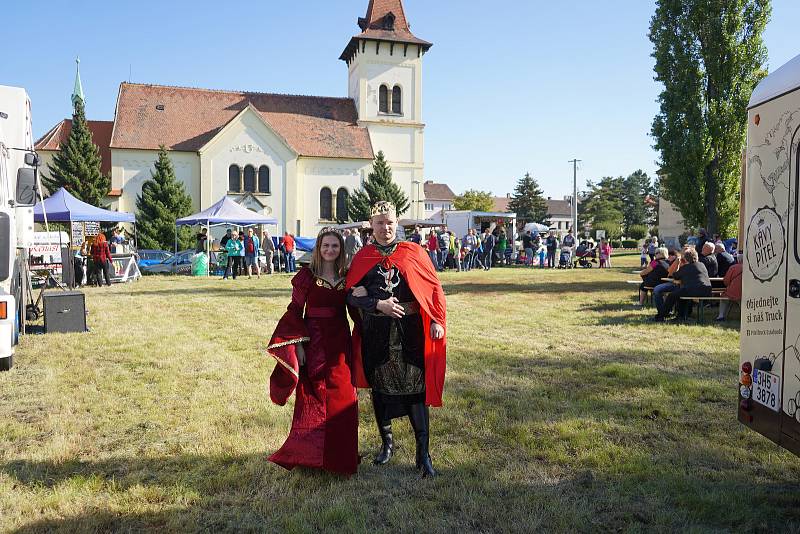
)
(769, 366)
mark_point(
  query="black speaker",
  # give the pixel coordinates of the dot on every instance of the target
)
(64, 311)
(67, 267)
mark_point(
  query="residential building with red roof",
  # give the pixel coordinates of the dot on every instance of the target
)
(438, 198)
(295, 158)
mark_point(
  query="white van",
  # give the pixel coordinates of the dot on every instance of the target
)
(769, 385)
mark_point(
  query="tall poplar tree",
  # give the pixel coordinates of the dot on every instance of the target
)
(163, 201)
(378, 186)
(709, 56)
(76, 165)
(528, 201)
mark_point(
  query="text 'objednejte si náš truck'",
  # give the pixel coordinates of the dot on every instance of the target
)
(769, 237)
(18, 179)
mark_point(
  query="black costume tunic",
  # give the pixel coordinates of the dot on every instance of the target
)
(393, 350)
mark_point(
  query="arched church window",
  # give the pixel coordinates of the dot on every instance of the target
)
(263, 179)
(397, 100)
(250, 179)
(383, 95)
(234, 174)
(341, 204)
(325, 204)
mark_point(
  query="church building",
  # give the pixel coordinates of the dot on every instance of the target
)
(294, 158)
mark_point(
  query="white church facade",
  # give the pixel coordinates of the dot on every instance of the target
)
(294, 158)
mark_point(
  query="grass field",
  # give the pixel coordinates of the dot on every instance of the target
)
(564, 410)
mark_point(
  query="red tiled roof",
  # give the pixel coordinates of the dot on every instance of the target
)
(101, 136)
(185, 119)
(438, 191)
(376, 26)
(501, 204)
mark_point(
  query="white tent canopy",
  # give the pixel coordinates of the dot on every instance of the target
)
(780, 82)
(226, 211)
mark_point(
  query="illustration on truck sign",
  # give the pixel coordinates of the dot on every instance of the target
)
(765, 245)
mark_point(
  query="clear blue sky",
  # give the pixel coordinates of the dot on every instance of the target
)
(509, 87)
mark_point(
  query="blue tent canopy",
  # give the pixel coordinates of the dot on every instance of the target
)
(63, 207)
(226, 211)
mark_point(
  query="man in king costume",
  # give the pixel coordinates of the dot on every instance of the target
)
(399, 335)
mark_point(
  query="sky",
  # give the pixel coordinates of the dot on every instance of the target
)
(508, 87)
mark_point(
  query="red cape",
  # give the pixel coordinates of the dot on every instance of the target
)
(416, 267)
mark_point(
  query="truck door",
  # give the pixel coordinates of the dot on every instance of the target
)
(790, 413)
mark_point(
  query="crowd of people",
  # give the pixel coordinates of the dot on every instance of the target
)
(701, 266)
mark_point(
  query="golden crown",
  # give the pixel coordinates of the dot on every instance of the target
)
(383, 207)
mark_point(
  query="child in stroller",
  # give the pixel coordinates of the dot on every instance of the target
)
(565, 258)
(585, 255)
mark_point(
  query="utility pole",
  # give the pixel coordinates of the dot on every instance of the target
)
(575, 196)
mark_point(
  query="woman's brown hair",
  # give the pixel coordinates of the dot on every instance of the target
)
(340, 265)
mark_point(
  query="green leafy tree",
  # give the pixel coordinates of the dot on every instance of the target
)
(709, 57)
(378, 186)
(603, 201)
(613, 228)
(163, 201)
(636, 231)
(636, 191)
(474, 200)
(76, 165)
(528, 202)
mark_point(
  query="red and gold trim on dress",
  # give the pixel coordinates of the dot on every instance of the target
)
(285, 344)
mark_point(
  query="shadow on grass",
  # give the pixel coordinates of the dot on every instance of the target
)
(215, 292)
(234, 495)
(542, 287)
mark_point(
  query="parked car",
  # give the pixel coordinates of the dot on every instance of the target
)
(151, 257)
(180, 263)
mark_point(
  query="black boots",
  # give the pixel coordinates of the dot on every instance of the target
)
(385, 430)
(387, 447)
(419, 416)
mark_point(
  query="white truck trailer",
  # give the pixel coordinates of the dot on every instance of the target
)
(769, 384)
(18, 180)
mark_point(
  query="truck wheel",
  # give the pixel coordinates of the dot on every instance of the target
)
(6, 363)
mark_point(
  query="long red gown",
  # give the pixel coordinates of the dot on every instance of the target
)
(324, 430)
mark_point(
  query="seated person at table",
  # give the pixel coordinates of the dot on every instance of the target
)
(662, 288)
(653, 273)
(694, 282)
(708, 259)
(724, 259)
(733, 289)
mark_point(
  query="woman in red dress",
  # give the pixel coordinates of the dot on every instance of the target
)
(312, 347)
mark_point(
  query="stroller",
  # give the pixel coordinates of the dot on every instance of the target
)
(585, 255)
(565, 258)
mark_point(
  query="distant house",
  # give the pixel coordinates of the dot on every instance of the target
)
(438, 198)
(501, 203)
(560, 212)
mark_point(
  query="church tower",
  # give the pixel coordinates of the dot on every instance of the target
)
(385, 81)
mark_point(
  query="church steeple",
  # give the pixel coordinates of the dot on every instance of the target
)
(77, 91)
(385, 22)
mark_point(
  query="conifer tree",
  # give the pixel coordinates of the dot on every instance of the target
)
(378, 186)
(162, 202)
(528, 202)
(76, 165)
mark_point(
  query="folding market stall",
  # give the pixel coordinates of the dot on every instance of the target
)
(224, 212)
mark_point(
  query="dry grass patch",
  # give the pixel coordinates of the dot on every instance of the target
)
(564, 410)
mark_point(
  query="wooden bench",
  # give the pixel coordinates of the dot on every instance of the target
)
(648, 291)
(700, 308)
